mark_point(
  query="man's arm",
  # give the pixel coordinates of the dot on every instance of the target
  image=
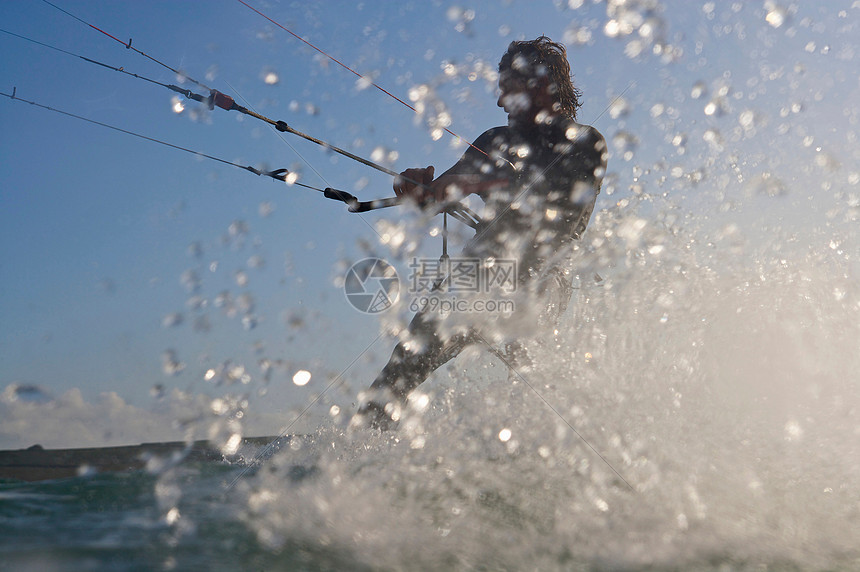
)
(474, 173)
(447, 187)
(586, 164)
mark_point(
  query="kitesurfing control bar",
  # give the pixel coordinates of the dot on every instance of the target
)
(458, 211)
(356, 206)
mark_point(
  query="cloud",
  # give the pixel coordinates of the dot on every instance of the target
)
(29, 415)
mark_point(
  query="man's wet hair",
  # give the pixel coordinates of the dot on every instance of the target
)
(533, 58)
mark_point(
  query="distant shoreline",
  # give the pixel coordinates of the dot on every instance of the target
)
(38, 464)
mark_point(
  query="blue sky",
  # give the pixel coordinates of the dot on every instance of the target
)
(95, 226)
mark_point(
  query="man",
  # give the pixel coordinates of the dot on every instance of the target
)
(539, 178)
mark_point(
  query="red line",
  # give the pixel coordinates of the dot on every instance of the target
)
(343, 65)
(108, 35)
(126, 44)
(335, 60)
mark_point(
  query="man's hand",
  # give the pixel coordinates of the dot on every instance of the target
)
(406, 185)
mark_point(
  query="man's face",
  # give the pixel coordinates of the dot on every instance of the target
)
(521, 98)
(513, 94)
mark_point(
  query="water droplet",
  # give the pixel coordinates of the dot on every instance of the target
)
(793, 431)
(195, 250)
(461, 17)
(219, 406)
(826, 161)
(170, 363)
(612, 28)
(302, 377)
(713, 137)
(363, 83)
(419, 402)
(699, 89)
(383, 155)
(238, 373)
(747, 119)
(266, 209)
(418, 92)
(377, 154)
(172, 516)
(578, 35)
(769, 185)
(171, 320)
(619, 108)
(712, 108)
(625, 143)
(190, 280)
(238, 228)
(634, 49)
(776, 14)
(177, 104)
(572, 133)
(231, 446)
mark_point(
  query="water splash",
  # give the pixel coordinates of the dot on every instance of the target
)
(716, 429)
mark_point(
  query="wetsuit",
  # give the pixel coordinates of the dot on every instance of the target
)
(554, 173)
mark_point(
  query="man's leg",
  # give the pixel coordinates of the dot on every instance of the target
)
(411, 363)
(551, 295)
